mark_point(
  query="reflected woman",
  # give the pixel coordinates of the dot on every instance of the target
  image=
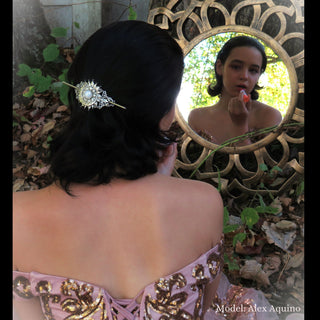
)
(239, 64)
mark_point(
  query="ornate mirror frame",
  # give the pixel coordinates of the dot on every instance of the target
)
(279, 24)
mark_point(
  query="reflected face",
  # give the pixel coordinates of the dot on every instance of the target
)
(241, 70)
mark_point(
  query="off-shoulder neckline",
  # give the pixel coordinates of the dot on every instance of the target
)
(181, 270)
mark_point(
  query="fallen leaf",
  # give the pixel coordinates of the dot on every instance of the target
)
(286, 225)
(280, 238)
(252, 270)
(18, 184)
(48, 126)
(39, 103)
(285, 201)
(294, 261)
(25, 137)
(62, 108)
(276, 203)
(26, 127)
(272, 264)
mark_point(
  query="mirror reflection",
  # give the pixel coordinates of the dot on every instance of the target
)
(233, 84)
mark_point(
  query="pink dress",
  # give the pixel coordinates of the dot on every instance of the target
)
(176, 296)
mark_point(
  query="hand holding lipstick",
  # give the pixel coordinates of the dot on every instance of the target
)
(239, 108)
(245, 97)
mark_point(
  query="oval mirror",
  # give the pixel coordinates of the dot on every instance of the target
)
(278, 82)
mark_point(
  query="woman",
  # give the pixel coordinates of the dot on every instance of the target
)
(115, 236)
(238, 67)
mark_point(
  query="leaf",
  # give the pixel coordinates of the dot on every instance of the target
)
(76, 49)
(51, 52)
(252, 270)
(132, 14)
(18, 184)
(231, 262)
(48, 126)
(267, 209)
(294, 261)
(263, 167)
(239, 237)
(76, 24)
(24, 70)
(272, 264)
(35, 76)
(28, 92)
(63, 94)
(230, 228)
(274, 235)
(59, 32)
(225, 216)
(249, 216)
(44, 83)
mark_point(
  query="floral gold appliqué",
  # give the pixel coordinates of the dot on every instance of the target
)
(167, 304)
(84, 306)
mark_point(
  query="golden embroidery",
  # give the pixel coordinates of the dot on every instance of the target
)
(201, 282)
(84, 306)
(21, 286)
(44, 288)
(167, 304)
(215, 261)
(231, 305)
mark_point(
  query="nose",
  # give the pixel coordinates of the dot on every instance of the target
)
(244, 74)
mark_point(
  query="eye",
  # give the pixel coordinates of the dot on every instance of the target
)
(235, 66)
(254, 71)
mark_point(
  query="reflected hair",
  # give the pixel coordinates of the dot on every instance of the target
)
(140, 66)
(240, 41)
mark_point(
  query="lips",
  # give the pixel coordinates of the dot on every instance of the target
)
(241, 87)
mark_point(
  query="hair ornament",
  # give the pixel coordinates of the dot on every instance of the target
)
(90, 95)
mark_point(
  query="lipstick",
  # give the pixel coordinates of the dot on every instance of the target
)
(245, 96)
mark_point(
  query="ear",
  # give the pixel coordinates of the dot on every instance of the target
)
(219, 67)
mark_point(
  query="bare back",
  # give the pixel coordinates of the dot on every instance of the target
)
(121, 236)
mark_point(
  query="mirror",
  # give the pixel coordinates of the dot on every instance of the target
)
(199, 74)
(280, 27)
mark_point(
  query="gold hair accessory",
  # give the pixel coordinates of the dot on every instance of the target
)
(92, 96)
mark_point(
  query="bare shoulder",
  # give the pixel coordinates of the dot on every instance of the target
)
(197, 115)
(198, 202)
(266, 114)
(28, 222)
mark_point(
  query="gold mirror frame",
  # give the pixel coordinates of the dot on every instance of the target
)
(174, 17)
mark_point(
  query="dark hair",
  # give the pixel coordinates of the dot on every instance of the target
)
(140, 66)
(240, 41)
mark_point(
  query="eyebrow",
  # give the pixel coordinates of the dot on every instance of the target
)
(240, 61)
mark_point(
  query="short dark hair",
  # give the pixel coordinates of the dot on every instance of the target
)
(240, 41)
(140, 66)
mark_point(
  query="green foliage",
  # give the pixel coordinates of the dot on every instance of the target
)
(60, 32)
(41, 83)
(239, 237)
(226, 226)
(249, 217)
(51, 52)
(231, 262)
(132, 13)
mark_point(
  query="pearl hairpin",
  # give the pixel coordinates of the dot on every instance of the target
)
(92, 96)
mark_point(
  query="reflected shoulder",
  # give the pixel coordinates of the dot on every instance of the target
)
(266, 113)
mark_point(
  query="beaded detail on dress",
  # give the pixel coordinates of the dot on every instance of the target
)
(176, 296)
